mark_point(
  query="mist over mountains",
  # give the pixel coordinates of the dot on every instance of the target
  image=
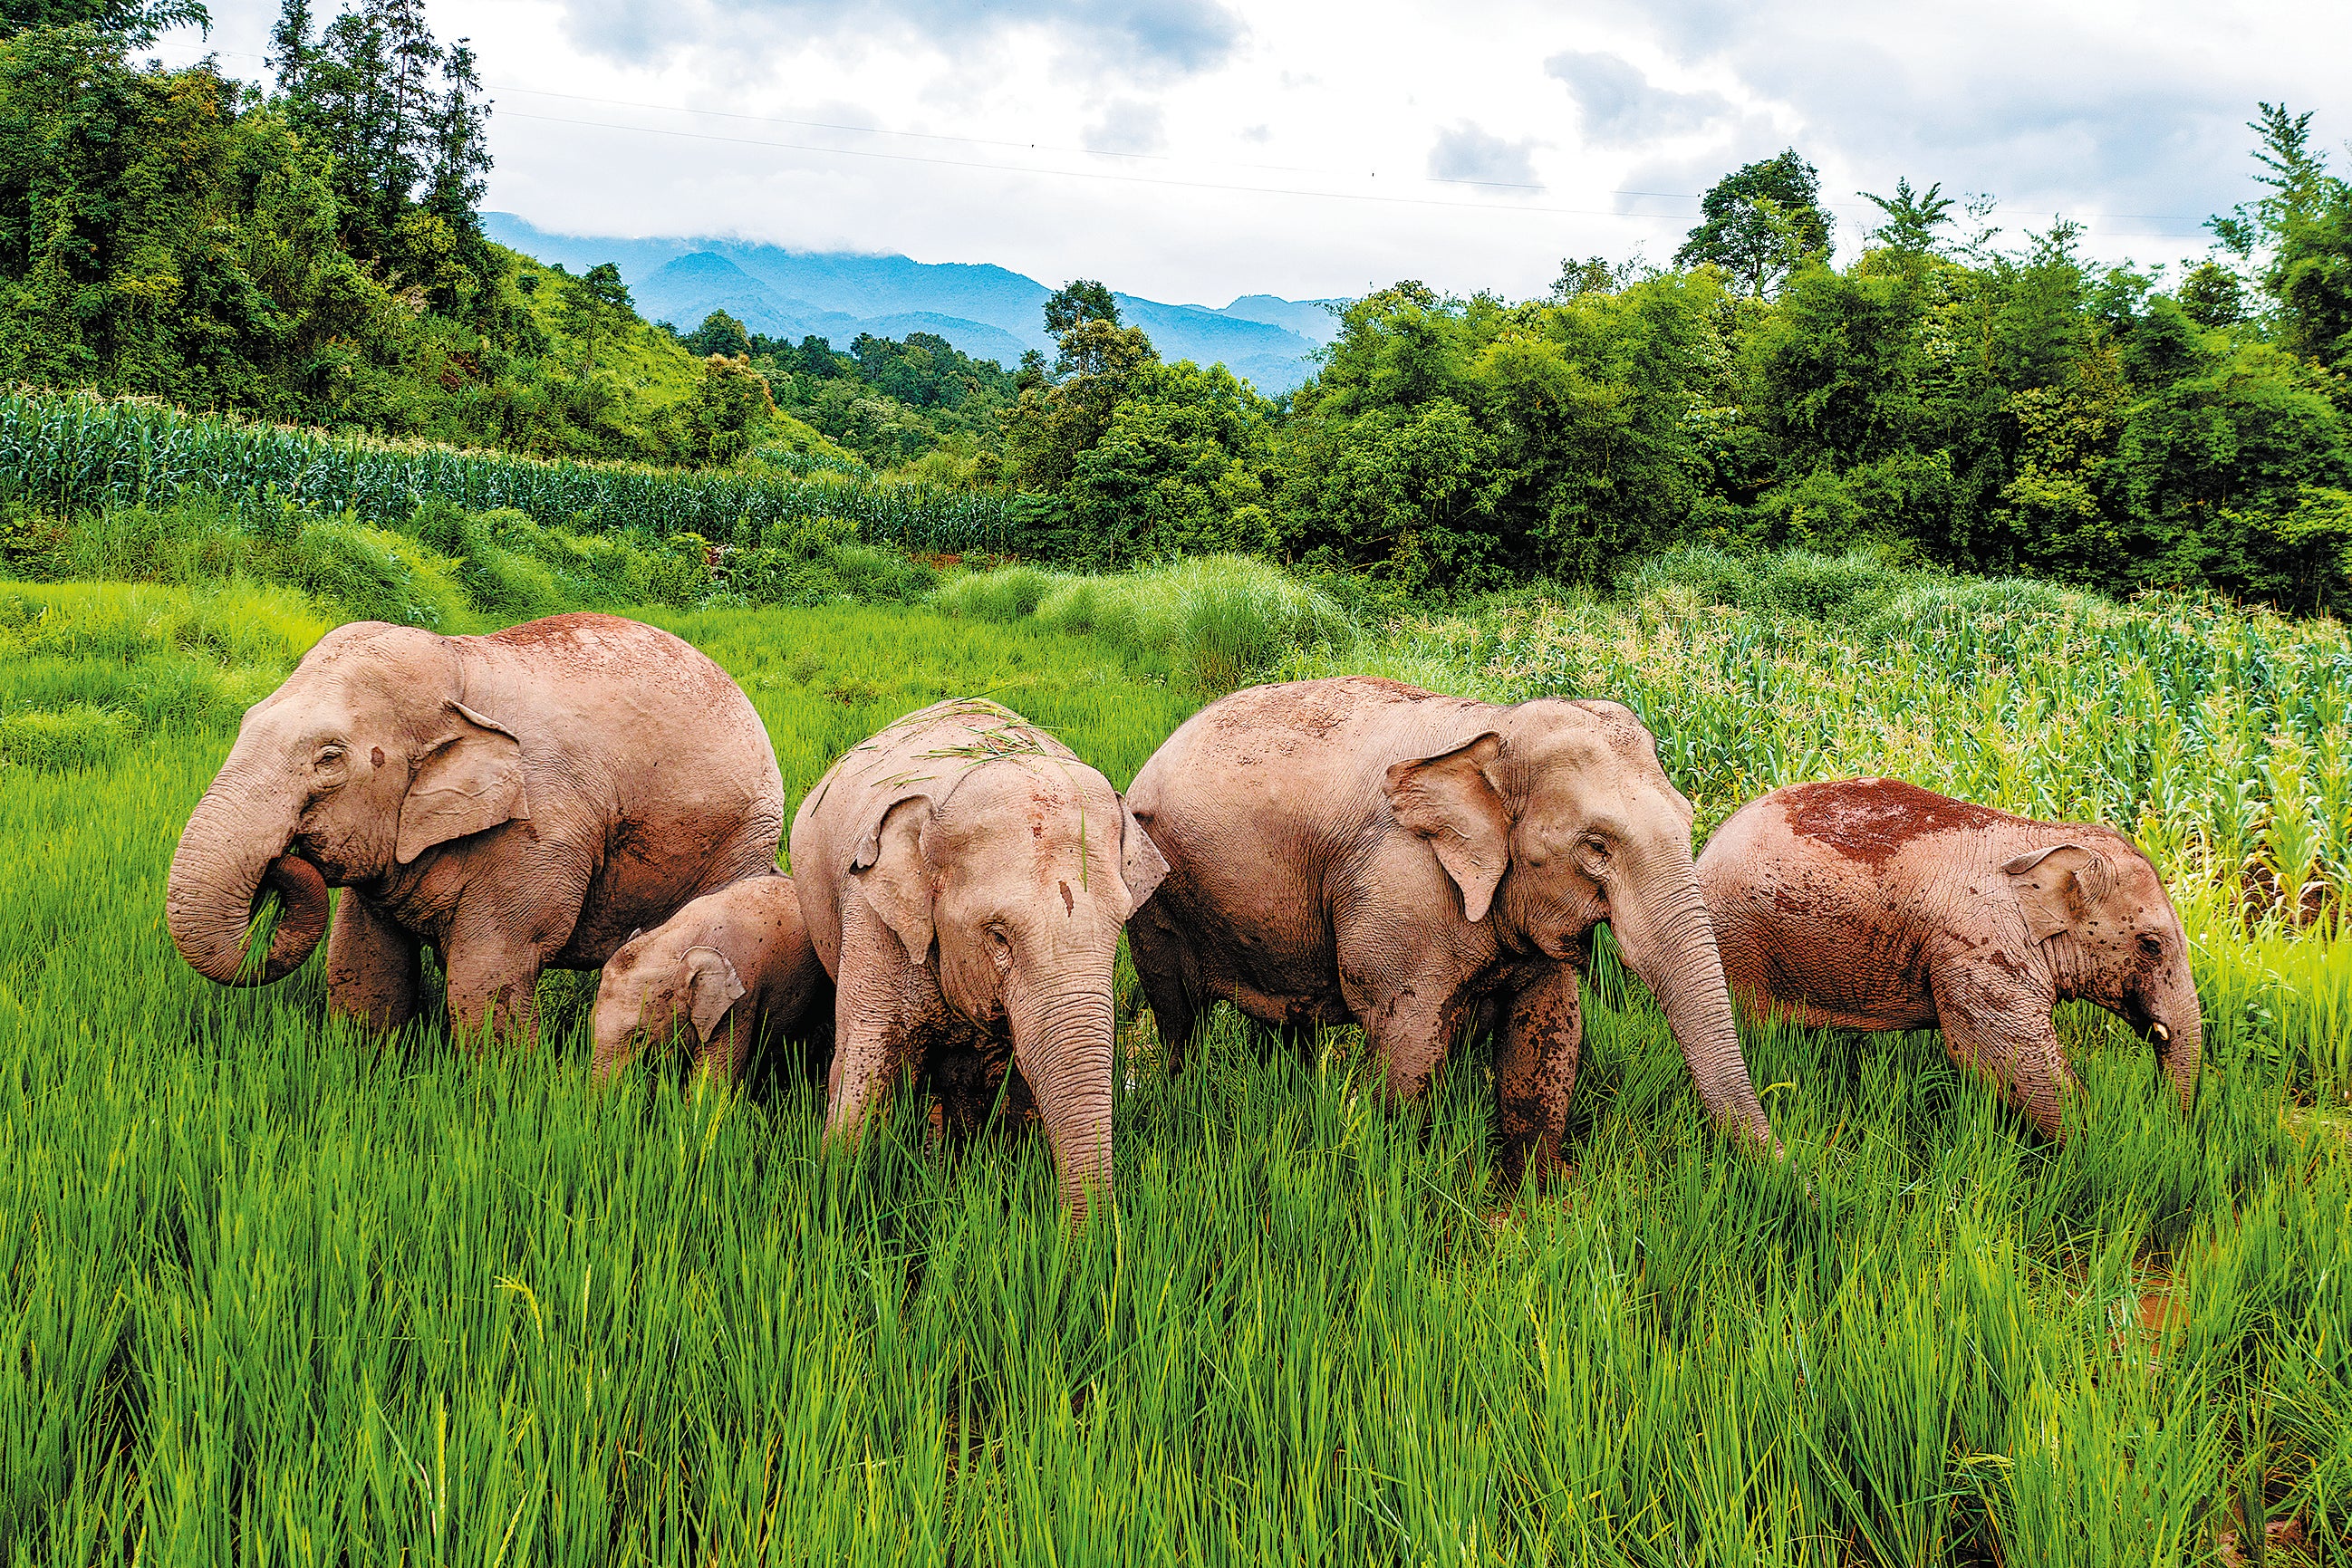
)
(989, 312)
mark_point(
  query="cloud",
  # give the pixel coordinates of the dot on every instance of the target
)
(1618, 107)
(1124, 38)
(1464, 151)
(1128, 126)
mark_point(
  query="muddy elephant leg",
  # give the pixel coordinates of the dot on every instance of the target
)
(1163, 962)
(1534, 1073)
(373, 970)
(492, 974)
(2009, 1039)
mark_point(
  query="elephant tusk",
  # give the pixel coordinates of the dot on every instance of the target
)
(2163, 1035)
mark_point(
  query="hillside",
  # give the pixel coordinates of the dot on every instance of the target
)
(988, 312)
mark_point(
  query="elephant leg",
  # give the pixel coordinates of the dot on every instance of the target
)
(1534, 1073)
(1410, 1022)
(491, 981)
(373, 969)
(2007, 1036)
(1163, 961)
(729, 1046)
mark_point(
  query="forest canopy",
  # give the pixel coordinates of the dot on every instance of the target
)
(311, 251)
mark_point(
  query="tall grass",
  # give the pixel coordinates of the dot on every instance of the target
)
(68, 452)
(275, 1291)
(1224, 618)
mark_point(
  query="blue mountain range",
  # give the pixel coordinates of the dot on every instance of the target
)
(989, 312)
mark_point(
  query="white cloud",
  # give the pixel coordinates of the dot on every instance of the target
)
(1294, 149)
(1465, 154)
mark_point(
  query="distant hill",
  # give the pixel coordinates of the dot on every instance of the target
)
(987, 311)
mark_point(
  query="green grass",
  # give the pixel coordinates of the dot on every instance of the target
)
(277, 1292)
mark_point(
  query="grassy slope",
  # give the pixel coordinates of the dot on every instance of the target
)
(277, 1290)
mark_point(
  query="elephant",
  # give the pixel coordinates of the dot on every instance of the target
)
(519, 801)
(965, 879)
(1357, 850)
(735, 965)
(1875, 905)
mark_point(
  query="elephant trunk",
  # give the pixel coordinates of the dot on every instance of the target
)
(1668, 940)
(234, 847)
(2178, 1030)
(1062, 1038)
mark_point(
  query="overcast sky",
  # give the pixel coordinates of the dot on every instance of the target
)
(1195, 150)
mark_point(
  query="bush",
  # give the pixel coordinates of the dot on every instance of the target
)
(1847, 587)
(1227, 618)
(1008, 593)
(71, 738)
(370, 575)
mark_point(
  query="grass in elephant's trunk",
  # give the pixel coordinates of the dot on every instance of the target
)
(260, 931)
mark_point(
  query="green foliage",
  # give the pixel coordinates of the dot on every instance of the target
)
(70, 452)
(1763, 223)
(1225, 619)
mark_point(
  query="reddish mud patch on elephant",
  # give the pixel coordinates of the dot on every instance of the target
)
(1869, 819)
(531, 633)
(1397, 689)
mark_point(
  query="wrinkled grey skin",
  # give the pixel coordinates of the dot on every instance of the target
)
(1361, 851)
(1871, 904)
(520, 800)
(964, 879)
(734, 969)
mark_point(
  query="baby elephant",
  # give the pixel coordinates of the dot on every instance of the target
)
(1870, 903)
(735, 965)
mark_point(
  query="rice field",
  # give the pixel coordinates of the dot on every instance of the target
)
(276, 1292)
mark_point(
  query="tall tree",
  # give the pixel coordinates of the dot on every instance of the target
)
(2300, 237)
(136, 23)
(1760, 223)
(1911, 217)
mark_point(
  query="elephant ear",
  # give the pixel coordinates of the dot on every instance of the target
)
(712, 987)
(469, 781)
(1449, 800)
(2059, 886)
(896, 874)
(1141, 866)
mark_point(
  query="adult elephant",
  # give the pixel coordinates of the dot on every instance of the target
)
(964, 879)
(520, 800)
(1871, 904)
(1361, 851)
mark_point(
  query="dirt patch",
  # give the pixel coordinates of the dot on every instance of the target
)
(532, 632)
(1397, 689)
(1869, 819)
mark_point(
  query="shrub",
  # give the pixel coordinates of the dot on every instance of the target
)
(1008, 593)
(370, 575)
(70, 737)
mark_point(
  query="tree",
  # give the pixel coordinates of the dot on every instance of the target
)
(719, 334)
(1761, 223)
(2300, 237)
(596, 308)
(136, 23)
(1058, 421)
(1911, 217)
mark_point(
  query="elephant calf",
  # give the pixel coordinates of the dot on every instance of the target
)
(1871, 904)
(965, 879)
(734, 966)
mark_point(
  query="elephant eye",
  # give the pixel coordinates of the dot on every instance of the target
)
(330, 754)
(999, 946)
(1596, 846)
(2151, 944)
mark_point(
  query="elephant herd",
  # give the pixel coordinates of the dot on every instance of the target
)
(585, 791)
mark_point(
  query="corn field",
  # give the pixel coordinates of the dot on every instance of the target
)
(71, 452)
